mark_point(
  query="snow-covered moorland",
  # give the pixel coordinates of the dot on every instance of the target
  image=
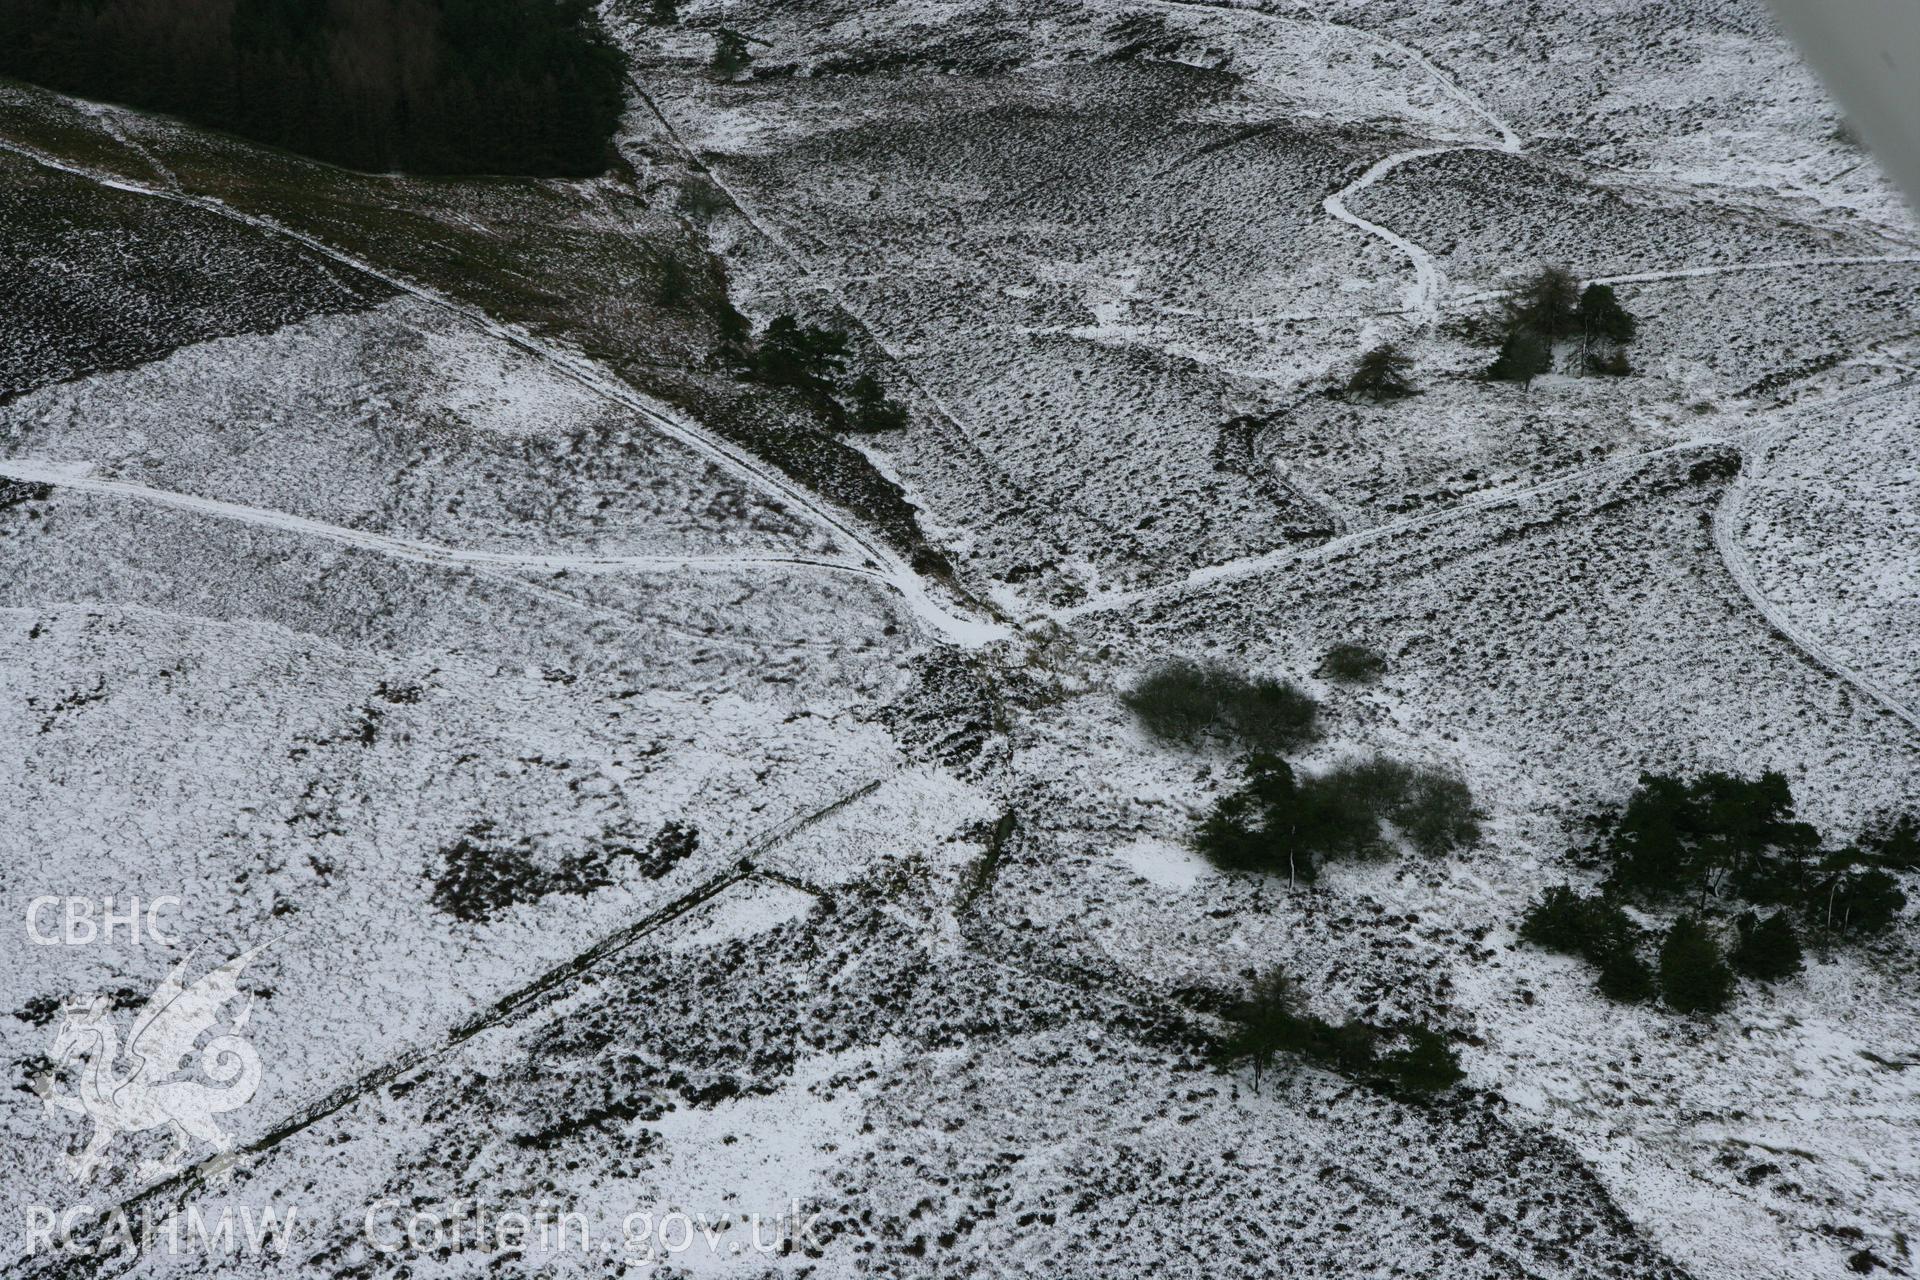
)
(655, 799)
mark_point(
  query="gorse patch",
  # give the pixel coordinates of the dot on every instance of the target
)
(1282, 823)
(483, 873)
(1352, 664)
(1269, 1023)
(1189, 702)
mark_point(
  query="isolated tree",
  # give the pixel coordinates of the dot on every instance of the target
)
(1381, 374)
(1602, 318)
(1523, 357)
(1547, 302)
(730, 53)
(1265, 1024)
(1693, 977)
(1768, 949)
(872, 410)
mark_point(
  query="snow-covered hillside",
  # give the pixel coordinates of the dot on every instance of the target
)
(655, 799)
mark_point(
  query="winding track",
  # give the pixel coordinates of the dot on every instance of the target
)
(1423, 297)
(1727, 518)
(70, 476)
(956, 628)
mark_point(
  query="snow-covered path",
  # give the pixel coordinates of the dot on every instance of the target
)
(1728, 519)
(948, 623)
(1267, 561)
(1423, 296)
(76, 476)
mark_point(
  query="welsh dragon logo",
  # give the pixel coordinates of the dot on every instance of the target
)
(148, 1086)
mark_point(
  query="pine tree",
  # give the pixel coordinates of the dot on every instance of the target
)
(730, 53)
(1768, 949)
(1605, 328)
(1693, 977)
(1548, 303)
(872, 410)
(1267, 1023)
(664, 13)
(1602, 318)
(1381, 374)
(1523, 357)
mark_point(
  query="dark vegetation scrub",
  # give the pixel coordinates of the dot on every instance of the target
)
(1548, 312)
(1720, 839)
(1352, 664)
(483, 874)
(812, 361)
(1269, 1023)
(1283, 823)
(731, 55)
(1190, 702)
(424, 86)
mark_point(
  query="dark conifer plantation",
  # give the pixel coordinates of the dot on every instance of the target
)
(423, 86)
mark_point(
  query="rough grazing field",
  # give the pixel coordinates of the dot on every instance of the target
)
(657, 801)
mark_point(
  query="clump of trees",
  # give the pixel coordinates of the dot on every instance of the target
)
(1352, 664)
(812, 360)
(1598, 930)
(1270, 1023)
(1550, 310)
(424, 86)
(1380, 375)
(1189, 702)
(1280, 822)
(1719, 838)
(1724, 836)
